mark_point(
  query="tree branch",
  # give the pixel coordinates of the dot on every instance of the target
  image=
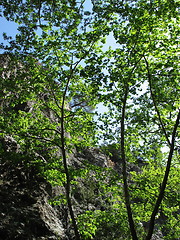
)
(63, 149)
(154, 101)
(123, 156)
(164, 183)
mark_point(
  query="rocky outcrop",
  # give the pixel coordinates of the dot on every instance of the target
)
(32, 209)
(25, 210)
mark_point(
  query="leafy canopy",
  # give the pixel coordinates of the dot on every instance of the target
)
(57, 62)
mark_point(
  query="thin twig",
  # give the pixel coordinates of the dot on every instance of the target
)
(154, 101)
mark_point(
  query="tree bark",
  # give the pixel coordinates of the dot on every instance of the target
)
(63, 149)
(123, 156)
(164, 183)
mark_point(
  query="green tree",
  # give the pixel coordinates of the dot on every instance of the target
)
(146, 57)
(46, 54)
(57, 58)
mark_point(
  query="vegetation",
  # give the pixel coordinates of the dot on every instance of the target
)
(56, 71)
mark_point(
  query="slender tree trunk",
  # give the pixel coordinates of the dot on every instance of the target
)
(67, 184)
(168, 166)
(63, 149)
(123, 156)
(164, 183)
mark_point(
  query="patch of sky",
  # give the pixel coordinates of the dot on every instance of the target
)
(9, 29)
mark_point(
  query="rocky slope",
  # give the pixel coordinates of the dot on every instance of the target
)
(25, 211)
(25, 196)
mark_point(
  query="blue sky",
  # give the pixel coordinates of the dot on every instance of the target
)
(8, 27)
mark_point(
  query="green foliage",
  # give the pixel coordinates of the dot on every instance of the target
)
(144, 193)
(102, 188)
(113, 151)
(55, 72)
(105, 224)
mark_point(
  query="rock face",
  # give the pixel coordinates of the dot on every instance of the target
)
(25, 195)
(25, 211)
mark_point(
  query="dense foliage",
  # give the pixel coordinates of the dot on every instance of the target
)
(56, 72)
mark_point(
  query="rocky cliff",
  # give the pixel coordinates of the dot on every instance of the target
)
(25, 195)
(33, 208)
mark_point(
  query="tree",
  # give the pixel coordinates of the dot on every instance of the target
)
(146, 56)
(60, 43)
(51, 45)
